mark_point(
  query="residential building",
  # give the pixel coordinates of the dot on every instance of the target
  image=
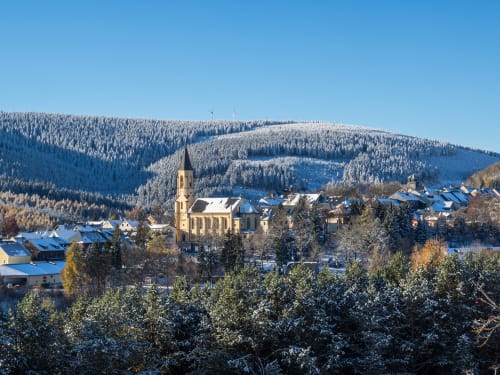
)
(12, 252)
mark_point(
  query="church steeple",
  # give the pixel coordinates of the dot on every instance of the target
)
(185, 162)
(185, 197)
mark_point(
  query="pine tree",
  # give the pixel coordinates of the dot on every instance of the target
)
(39, 340)
(114, 247)
(232, 252)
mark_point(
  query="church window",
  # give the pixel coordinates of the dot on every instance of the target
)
(181, 179)
(192, 223)
(207, 224)
(224, 220)
(216, 223)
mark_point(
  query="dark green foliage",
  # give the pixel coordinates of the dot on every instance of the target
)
(114, 247)
(280, 237)
(395, 270)
(416, 322)
(232, 252)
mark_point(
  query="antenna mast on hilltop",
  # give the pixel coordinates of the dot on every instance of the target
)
(212, 114)
(234, 114)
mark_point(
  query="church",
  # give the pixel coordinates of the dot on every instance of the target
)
(199, 218)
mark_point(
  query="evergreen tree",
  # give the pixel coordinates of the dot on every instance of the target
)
(142, 233)
(97, 268)
(279, 237)
(114, 246)
(232, 252)
(38, 339)
(303, 231)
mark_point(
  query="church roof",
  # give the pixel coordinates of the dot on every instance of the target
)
(185, 162)
(214, 205)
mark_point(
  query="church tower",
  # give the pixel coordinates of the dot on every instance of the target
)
(185, 198)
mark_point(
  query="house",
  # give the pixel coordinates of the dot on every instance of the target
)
(128, 226)
(337, 217)
(293, 199)
(32, 274)
(415, 201)
(111, 224)
(269, 202)
(12, 252)
(83, 235)
(47, 248)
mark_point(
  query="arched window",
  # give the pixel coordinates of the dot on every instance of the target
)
(181, 181)
(216, 223)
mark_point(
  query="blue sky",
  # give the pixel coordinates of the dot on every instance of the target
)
(424, 68)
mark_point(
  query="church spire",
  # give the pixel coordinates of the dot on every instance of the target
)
(185, 162)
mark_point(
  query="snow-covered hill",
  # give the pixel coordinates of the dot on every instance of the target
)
(138, 158)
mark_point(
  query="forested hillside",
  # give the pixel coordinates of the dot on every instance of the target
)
(137, 159)
(487, 178)
(98, 154)
(305, 154)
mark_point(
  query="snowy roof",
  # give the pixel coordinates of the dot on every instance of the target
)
(33, 235)
(50, 244)
(67, 234)
(158, 226)
(131, 223)
(32, 269)
(91, 237)
(449, 196)
(405, 197)
(14, 249)
(394, 202)
(97, 223)
(247, 208)
(84, 228)
(268, 201)
(214, 205)
(112, 223)
(293, 199)
(438, 207)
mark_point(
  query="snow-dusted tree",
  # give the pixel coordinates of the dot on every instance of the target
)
(37, 337)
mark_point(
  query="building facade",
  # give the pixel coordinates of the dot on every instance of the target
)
(198, 218)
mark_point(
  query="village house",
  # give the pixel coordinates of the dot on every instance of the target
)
(128, 226)
(12, 252)
(45, 274)
(47, 248)
(83, 235)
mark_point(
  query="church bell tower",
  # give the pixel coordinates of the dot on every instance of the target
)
(185, 197)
